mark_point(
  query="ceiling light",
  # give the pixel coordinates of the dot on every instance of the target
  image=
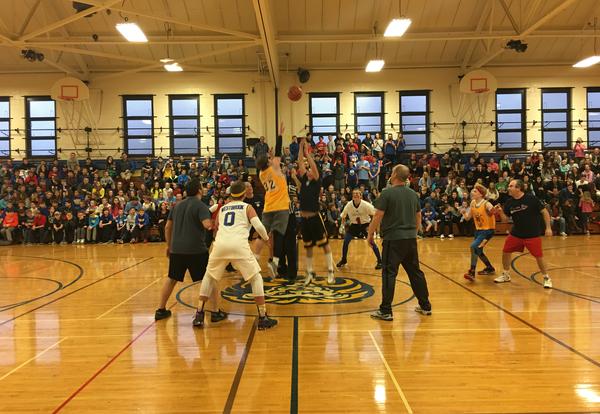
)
(132, 32)
(166, 60)
(587, 62)
(397, 27)
(375, 65)
(173, 67)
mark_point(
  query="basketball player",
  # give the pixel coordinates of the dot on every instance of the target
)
(360, 213)
(231, 246)
(312, 226)
(277, 202)
(527, 212)
(482, 213)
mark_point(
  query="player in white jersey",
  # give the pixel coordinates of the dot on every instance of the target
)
(359, 213)
(231, 246)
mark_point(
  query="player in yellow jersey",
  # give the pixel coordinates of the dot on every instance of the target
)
(482, 213)
(277, 203)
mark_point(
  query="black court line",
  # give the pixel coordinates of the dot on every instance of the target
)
(240, 371)
(72, 292)
(294, 391)
(59, 286)
(523, 321)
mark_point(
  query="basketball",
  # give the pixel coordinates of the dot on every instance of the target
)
(295, 93)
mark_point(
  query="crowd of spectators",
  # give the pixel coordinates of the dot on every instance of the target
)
(124, 201)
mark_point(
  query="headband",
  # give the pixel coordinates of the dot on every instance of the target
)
(238, 194)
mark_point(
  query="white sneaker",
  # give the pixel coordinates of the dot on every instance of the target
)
(502, 278)
(441, 236)
(451, 236)
(309, 278)
(547, 283)
(563, 234)
(331, 278)
(272, 269)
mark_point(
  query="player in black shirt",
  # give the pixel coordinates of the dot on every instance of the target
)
(312, 226)
(527, 213)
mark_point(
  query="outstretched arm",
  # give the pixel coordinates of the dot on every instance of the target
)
(311, 163)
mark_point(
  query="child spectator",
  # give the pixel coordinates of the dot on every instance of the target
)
(81, 225)
(70, 226)
(92, 228)
(58, 229)
(586, 205)
(106, 228)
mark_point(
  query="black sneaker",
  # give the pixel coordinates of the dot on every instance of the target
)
(487, 271)
(378, 266)
(382, 316)
(161, 314)
(218, 316)
(422, 311)
(264, 322)
(198, 319)
(341, 263)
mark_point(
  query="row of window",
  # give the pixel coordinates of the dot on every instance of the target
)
(324, 114)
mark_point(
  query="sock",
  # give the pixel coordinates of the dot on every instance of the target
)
(486, 261)
(309, 267)
(506, 272)
(262, 310)
(276, 261)
(329, 259)
(546, 276)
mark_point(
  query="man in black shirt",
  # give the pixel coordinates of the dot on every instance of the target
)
(527, 212)
(313, 228)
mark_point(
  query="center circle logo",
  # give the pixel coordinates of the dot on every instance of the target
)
(345, 290)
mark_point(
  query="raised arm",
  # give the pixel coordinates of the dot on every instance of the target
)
(311, 163)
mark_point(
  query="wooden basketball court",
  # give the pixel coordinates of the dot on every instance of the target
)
(77, 335)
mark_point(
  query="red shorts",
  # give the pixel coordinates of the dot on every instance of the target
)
(516, 244)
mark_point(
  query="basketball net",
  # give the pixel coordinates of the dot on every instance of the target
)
(472, 108)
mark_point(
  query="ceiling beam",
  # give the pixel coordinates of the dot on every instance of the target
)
(168, 19)
(267, 34)
(527, 32)
(485, 14)
(28, 18)
(510, 17)
(156, 40)
(63, 22)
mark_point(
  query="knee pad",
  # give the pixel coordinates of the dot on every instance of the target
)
(208, 283)
(256, 283)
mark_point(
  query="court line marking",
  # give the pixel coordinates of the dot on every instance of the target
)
(129, 298)
(73, 291)
(391, 374)
(15, 369)
(105, 366)
(448, 329)
(515, 316)
(294, 390)
(240, 370)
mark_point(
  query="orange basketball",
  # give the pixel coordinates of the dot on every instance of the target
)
(295, 93)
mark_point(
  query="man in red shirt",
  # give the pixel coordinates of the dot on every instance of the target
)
(434, 164)
(39, 227)
(321, 147)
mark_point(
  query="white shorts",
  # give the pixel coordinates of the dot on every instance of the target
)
(246, 264)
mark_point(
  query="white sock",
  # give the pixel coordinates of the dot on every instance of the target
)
(329, 259)
(309, 267)
(506, 272)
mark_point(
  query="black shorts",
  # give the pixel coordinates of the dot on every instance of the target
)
(359, 230)
(313, 232)
(180, 263)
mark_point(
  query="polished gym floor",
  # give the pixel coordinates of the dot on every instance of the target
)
(77, 335)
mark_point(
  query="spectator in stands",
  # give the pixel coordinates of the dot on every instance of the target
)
(579, 151)
(261, 148)
(125, 168)
(73, 163)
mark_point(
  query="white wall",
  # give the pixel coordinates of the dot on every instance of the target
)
(106, 104)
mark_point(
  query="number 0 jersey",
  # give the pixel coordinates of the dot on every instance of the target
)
(234, 225)
(276, 192)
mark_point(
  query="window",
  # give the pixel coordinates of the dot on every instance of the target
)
(4, 127)
(414, 119)
(40, 124)
(593, 117)
(368, 113)
(510, 119)
(184, 124)
(138, 121)
(556, 118)
(230, 124)
(324, 114)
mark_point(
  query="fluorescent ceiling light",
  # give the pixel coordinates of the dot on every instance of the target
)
(173, 67)
(166, 60)
(587, 62)
(375, 65)
(397, 27)
(132, 32)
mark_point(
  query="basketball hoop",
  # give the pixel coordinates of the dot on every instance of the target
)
(481, 90)
(70, 89)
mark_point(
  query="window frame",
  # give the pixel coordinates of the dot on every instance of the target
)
(7, 120)
(381, 114)
(419, 92)
(218, 136)
(594, 89)
(173, 118)
(522, 112)
(126, 136)
(335, 95)
(28, 137)
(568, 111)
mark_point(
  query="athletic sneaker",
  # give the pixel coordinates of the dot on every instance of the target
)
(547, 283)
(331, 278)
(382, 316)
(487, 271)
(198, 319)
(451, 236)
(218, 316)
(309, 278)
(272, 269)
(161, 314)
(378, 266)
(502, 278)
(563, 234)
(441, 236)
(422, 311)
(470, 275)
(264, 322)
(341, 263)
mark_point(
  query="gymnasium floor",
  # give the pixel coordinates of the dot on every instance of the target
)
(77, 335)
